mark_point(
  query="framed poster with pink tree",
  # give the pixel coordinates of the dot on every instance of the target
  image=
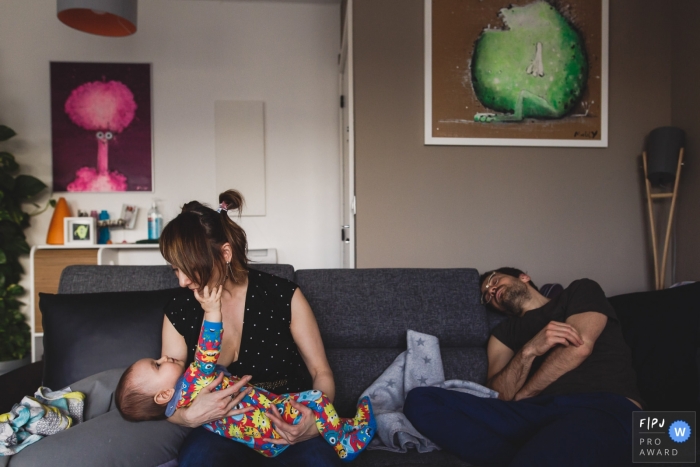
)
(101, 127)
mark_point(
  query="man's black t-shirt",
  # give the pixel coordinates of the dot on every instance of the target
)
(607, 369)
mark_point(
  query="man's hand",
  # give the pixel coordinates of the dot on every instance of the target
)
(554, 333)
(580, 332)
(292, 434)
(211, 405)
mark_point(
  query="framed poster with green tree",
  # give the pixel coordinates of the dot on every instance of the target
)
(516, 72)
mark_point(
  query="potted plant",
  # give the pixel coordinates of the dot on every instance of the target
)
(14, 191)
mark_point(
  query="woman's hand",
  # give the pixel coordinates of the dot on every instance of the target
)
(211, 405)
(292, 434)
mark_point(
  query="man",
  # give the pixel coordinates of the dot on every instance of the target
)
(564, 375)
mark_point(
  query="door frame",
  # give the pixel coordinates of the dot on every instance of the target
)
(348, 200)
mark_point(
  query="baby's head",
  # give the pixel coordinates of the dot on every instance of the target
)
(146, 387)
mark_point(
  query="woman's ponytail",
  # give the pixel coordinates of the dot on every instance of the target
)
(192, 241)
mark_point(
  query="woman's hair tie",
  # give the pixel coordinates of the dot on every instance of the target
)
(222, 207)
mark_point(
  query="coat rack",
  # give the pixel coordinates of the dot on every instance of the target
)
(663, 145)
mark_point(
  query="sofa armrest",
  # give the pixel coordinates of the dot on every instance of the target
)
(16, 384)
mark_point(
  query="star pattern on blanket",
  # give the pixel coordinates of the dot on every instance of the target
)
(418, 366)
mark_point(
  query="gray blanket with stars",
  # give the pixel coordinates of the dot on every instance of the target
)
(419, 365)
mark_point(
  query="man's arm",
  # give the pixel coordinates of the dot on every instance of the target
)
(564, 359)
(507, 373)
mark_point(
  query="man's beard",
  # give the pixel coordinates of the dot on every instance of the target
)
(514, 296)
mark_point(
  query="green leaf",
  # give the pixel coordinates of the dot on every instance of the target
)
(8, 162)
(6, 133)
(3, 258)
(7, 181)
(27, 186)
(15, 290)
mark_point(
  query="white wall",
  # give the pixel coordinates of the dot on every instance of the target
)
(284, 54)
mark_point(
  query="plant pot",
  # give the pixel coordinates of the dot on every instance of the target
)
(9, 365)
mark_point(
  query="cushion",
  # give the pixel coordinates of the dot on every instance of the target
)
(85, 334)
(551, 290)
(105, 438)
(92, 279)
(355, 370)
(661, 328)
(373, 308)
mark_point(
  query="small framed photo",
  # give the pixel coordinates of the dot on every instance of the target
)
(79, 231)
(129, 214)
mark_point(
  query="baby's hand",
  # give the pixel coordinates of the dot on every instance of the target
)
(211, 302)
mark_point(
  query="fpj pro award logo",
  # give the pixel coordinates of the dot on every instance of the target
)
(663, 437)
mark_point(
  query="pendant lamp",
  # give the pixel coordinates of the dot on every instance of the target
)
(112, 18)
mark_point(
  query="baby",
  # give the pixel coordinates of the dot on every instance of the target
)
(153, 389)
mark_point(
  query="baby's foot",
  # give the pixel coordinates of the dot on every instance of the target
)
(357, 432)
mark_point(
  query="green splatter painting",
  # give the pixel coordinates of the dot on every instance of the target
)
(536, 67)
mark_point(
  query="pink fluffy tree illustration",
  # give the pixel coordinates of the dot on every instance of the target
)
(107, 108)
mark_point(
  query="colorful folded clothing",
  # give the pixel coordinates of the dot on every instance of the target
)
(47, 413)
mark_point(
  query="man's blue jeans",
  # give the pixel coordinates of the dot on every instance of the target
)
(572, 430)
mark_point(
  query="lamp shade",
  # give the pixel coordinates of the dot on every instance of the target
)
(113, 18)
(663, 146)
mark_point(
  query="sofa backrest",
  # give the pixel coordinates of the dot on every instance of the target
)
(94, 279)
(364, 315)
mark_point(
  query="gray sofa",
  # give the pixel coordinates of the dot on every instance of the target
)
(363, 316)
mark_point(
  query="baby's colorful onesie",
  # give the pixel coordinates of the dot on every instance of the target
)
(348, 436)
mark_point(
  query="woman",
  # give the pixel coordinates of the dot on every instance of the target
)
(270, 334)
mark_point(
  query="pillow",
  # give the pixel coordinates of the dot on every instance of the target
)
(551, 290)
(85, 334)
(105, 438)
(661, 328)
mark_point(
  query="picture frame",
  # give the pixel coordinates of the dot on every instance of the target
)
(491, 82)
(79, 231)
(101, 127)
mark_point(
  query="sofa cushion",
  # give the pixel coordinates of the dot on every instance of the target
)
(93, 279)
(661, 328)
(105, 438)
(373, 308)
(85, 334)
(356, 369)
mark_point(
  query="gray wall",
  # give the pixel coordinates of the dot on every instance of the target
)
(685, 99)
(559, 213)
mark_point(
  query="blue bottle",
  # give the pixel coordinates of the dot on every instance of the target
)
(103, 232)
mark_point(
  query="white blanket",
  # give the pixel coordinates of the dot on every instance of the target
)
(419, 365)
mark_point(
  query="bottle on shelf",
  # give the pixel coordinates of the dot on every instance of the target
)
(155, 222)
(103, 235)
